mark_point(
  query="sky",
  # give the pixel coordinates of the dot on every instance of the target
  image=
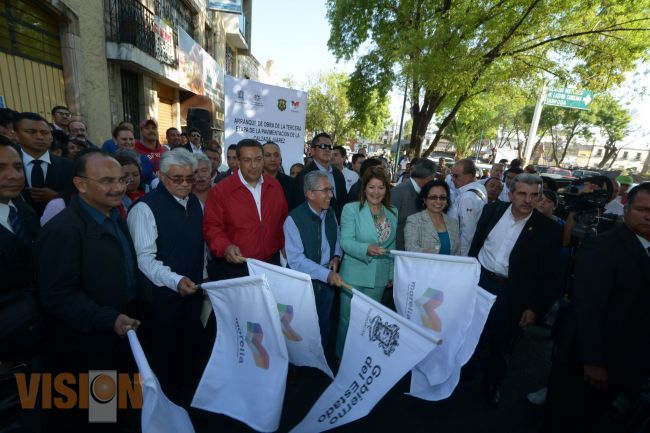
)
(294, 34)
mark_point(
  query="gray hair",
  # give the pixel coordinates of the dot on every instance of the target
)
(178, 156)
(128, 153)
(201, 157)
(528, 179)
(423, 168)
(311, 180)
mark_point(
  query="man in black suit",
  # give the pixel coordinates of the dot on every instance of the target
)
(46, 175)
(602, 348)
(321, 151)
(516, 246)
(272, 165)
(195, 142)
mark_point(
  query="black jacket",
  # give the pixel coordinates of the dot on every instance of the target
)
(58, 178)
(16, 264)
(337, 202)
(534, 263)
(81, 281)
(607, 324)
(290, 190)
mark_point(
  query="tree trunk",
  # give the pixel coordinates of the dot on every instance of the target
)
(446, 121)
(422, 117)
(610, 151)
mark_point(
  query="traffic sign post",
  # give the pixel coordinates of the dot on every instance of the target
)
(569, 98)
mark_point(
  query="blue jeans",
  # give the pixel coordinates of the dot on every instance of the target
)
(324, 295)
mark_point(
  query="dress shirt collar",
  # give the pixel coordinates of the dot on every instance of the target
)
(416, 187)
(245, 182)
(27, 158)
(97, 215)
(645, 242)
(512, 216)
(4, 212)
(320, 214)
(472, 185)
(322, 168)
(195, 148)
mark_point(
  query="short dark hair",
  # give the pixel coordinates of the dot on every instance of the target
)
(423, 168)
(344, 153)
(515, 163)
(271, 142)
(80, 160)
(356, 156)
(60, 141)
(320, 135)
(248, 142)
(468, 166)
(119, 129)
(490, 179)
(232, 147)
(5, 141)
(516, 170)
(631, 195)
(169, 130)
(551, 195)
(424, 192)
(28, 116)
(365, 165)
(7, 116)
(212, 149)
(192, 130)
(59, 107)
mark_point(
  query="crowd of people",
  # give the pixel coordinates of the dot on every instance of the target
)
(97, 241)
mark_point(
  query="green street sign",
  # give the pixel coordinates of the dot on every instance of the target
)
(569, 98)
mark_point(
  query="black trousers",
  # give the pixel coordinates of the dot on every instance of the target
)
(498, 334)
(220, 269)
(172, 324)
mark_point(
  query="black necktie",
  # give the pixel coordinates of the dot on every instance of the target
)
(17, 225)
(38, 177)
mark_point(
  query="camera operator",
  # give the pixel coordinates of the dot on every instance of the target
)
(585, 201)
(602, 347)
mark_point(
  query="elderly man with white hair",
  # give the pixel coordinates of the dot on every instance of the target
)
(167, 231)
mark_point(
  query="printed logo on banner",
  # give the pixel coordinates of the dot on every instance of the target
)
(295, 105)
(282, 104)
(240, 95)
(430, 300)
(254, 337)
(386, 335)
(257, 100)
(286, 316)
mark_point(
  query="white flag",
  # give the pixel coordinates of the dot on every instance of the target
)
(437, 292)
(246, 375)
(294, 294)
(420, 386)
(159, 415)
(380, 348)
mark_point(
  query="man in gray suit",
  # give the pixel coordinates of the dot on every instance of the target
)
(404, 196)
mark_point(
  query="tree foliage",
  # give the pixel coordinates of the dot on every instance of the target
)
(329, 109)
(613, 122)
(452, 52)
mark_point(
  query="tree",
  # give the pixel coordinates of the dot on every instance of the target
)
(329, 109)
(564, 125)
(451, 52)
(613, 121)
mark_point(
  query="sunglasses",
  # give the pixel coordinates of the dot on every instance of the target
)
(437, 197)
(324, 146)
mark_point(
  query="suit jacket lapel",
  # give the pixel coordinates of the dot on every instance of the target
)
(635, 249)
(368, 221)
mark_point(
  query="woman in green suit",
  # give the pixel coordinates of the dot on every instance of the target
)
(368, 229)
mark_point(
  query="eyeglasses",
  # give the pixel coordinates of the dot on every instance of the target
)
(325, 190)
(110, 181)
(323, 146)
(437, 197)
(178, 180)
(63, 113)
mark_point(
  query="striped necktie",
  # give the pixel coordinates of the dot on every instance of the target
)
(17, 225)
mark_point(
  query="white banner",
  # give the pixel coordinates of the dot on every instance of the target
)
(437, 292)
(420, 386)
(297, 311)
(266, 113)
(159, 415)
(380, 348)
(246, 375)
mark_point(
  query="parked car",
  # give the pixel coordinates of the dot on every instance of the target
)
(581, 174)
(561, 172)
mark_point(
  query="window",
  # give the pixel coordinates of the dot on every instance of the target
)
(638, 156)
(229, 61)
(624, 155)
(131, 99)
(599, 152)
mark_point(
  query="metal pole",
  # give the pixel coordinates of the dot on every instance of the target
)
(532, 135)
(401, 124)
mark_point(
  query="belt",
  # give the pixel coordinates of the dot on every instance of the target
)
(491, 275)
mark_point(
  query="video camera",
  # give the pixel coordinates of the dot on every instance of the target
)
(586, 198)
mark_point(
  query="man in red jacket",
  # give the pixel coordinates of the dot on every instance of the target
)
(244, 215)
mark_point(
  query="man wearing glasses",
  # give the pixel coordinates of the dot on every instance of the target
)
(195, 144)
(166, 226)
(244, 215)
(86, 276)
(61, 117)
(321, 152)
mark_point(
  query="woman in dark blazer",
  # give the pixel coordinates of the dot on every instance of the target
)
(368, 229)
(432, 230)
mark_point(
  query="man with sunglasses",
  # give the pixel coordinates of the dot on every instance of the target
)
(195, 145)
(321, 152)
(167, 230)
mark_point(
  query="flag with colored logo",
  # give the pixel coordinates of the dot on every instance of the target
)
(380, 348)
(421, 388)
(246, 375)
(437, 292)
(159, 414)
(294, 295)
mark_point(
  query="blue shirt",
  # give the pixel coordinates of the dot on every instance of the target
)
(112, 226)
(445, 243)
(109, 146)
(296, 252)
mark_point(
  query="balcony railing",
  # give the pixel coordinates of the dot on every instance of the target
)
(129, 22)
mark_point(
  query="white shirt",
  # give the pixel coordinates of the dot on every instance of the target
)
(196, 149)
(495, 253)
(615, 206)
(504, 194)
(452, 189)
(351, 177)
(416, 187)
(256, 191)
(4, 215)
(143, 229)
(467, 209)
(645, 243)
(27, 163)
